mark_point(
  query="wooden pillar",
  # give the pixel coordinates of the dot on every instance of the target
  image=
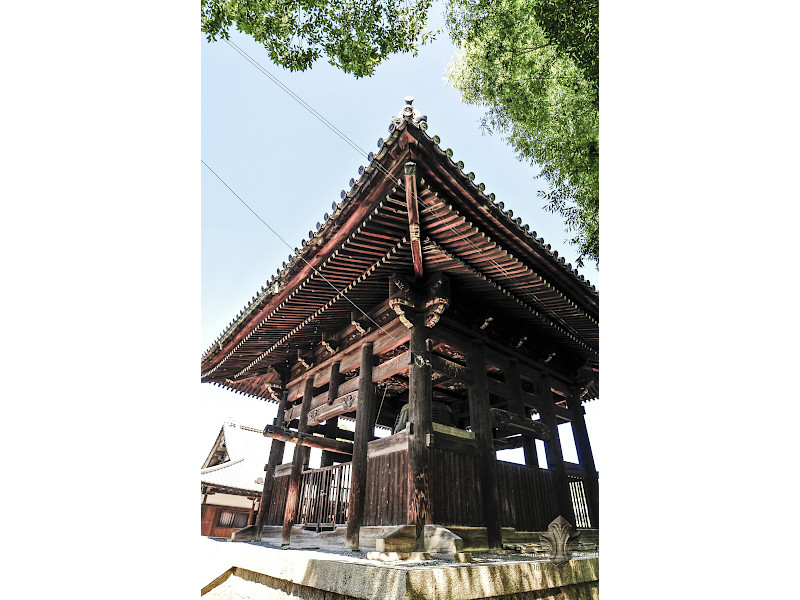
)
(365, 429)
(293, 495)
(420, 415)
(275, 457)
(552, 448)
(516, 405)
(481, 421)
(585, 457)
(332, 424)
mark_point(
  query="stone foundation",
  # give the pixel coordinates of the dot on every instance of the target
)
(260, 573)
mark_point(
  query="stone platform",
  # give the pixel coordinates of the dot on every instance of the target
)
(250, 571)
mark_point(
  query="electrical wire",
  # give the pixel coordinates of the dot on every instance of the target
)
(313, 268)
(310, 109)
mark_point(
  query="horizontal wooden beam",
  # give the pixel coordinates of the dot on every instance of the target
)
(562, 413)
(307, 439)
(283, 470)
(390, 336)
(498, 388)
(323, 411)
(393, 443)
(391, 367)
(451, 369)
(341, 434)
(448, 331)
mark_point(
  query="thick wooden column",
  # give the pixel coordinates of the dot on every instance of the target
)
(276, 449)
(481, 422)
(300, 454)
(332, 424)
(552, 448)
(516, 405)
(365, 430)
(420, 415)
(585, 457)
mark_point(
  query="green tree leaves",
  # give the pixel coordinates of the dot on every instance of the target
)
(354, 35)
(533, 65)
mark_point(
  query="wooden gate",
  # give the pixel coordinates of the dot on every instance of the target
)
(324, 496)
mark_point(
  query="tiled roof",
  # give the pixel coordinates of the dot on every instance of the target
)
(248, 451)
(330, 220)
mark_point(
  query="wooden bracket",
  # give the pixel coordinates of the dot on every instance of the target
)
(331, 348)
(431, 297)
(303, 361)
(354, 322)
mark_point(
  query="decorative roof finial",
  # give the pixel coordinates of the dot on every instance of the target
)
(409, 113)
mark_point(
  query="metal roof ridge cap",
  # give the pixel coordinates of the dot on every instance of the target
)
(227, 463)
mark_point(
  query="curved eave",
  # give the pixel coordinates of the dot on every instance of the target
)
(489, 214)
(356, 204)
(564, 289)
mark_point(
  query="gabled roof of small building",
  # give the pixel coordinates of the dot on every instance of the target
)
(465, 233)
(236, 461)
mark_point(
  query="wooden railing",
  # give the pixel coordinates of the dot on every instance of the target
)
(324, 496)
(579, 503)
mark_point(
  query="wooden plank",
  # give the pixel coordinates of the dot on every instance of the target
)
(283, 470)
(393, 443)
(451, 443)
(365, 425)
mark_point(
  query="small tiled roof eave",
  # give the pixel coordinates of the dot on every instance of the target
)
(248, 450)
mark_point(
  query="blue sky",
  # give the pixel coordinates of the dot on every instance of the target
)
(289, 167)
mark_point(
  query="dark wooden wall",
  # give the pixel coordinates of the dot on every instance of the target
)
(456, 488)
(277, 507)
(527, 497)
(388, 489)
